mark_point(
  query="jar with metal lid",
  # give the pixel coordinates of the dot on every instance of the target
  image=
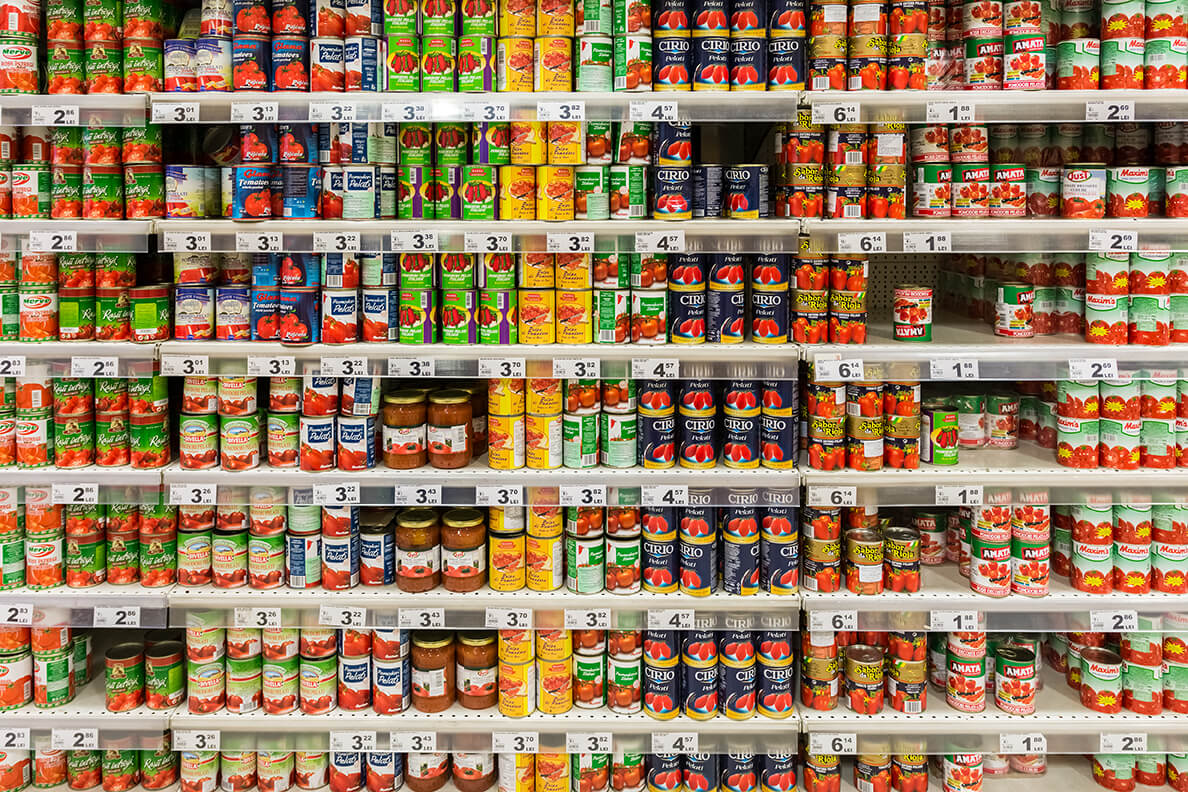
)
(404, 417)
(418, 551)
(450, 433)
(478, 686)
(464, 550)
(433, 670)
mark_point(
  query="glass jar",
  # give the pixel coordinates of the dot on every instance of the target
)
(450, 434)
(464, 550)
(404, 430)
(478, 686)
(432, 670)
(474, 772)
(426, 772)
(418, 551)
(478, 418)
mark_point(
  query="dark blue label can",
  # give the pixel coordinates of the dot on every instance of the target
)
(299, 316)
(298, 269)
(740, 565)
(769, 317)
(301, 191)
(699, 567)
(748, 63)
(711, 60)
(257, 143)
(724, 316)
(686, 271)
(738, 773)
(662, 696)
(265, 314)
(701, 772)
(661, 647)
(736, 690)
(785, 64)
(663, 770)
(297, 144)
(686, 317)
(657, 440)
(700, 702)
(778, 772)
(671, 64)
(779, 566)
(740, 441)
(659, 564)
(707, 190)
(251, 191)
(777, 441)
(775, 690)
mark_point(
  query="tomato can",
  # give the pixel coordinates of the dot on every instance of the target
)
(983, 62)
(965, 682)
(1101, 680)
(633, 62)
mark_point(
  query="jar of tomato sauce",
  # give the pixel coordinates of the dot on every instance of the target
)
(474, 772)
(450, 433)
(405, 415)
(464, 550)
(478, 686)
(418, 551)
(432, 670)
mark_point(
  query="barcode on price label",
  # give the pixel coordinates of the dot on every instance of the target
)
(54, 115)
(503, 368)
(94, 366)
(341, 110)
(175, 112)
(259, 241)
(949, 113)
(1113, 240)
(1100, 368)
(344, 366)
(952, 369)
(186, 241)
(255, 112)
(576, 368)
(414, 111)
(336, 241)
(659, 241)
(415, 241)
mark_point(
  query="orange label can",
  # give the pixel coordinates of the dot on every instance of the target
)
(575, 316)
(554, 691)
(517, 192)
(505, 560)
(505, 441)
(537, 308)
(545, 566)
(542, 439)
(517, 689)
(529, 142)
(552, 64)
(554, 193)
(566, 143)
(514, 64)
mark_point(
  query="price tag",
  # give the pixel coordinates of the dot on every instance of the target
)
(255, 112)
(498, 496)
(417, 495)
(81, 739)
(12, 366)
(194, 740)
(655, 368)
(116, 616)
(597, 619)
(75, 494)
(1130, 742)
(927, 242)
(1113, 240)
(949, 113)
(569, 243)
(659, 241)
(1113, 621)
(833, 743)
(14, 739)
(832, 497)
(339, 616)
(505, 368)
(1096, 368)
(561, 111)
(259, 241)
(844, 369)
(185, 365)
(670, 619)
(352, 741)
(952, 620)
(257, 617)
(175, 112)
(423, 618)
(1109, 111)
(846, 113)
(576, 368)
(674, 742)
(592, 495)
(593, 742)
(412, 111)
(17, 614)
(55, 115)
(52, 241)
(340, 110)
(953, 369)
(1031, 743)
(486, 111)
(271, 366)
(192, 494)
(864, 242)
(415, 241)
(508, 619)
(649, 110)
(336, 241)
(342, 494)
(403, 742)
(186, 242)
(487, 242)
(833, 620)
(94, 366)
(411, 367)
(515, 742)
(958, 494)
(344, 366)
(664, 495)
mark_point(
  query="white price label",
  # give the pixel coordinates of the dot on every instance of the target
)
(674, 742)
(415, 241)
(508, 619)
(12, 366)
(597, 619)
(421, 618)
(344, 366)
(664, 495)
(94, 366)
(515, 742)
(259, 241)
(843, 369)
(417, 495)
(341, 110)
(1093, 369)
(1031, 743)
(576, 368)
(561, 111)
(194, 740)
(185, 365)
(55, 115)
(864, 242)
(655, 368)
(949, 113)
(1109, 111)
(958, 494)
(1129, 742)
(569, 243)
(845, 113)
(670, 619)
(192, 494)
(411, 367)
(82, 739)
(1113, 621)
(832, 497)
(505, 368)
(17, 614)
(336, 241)
(412, 111)
(953, 369)
(185, 242)
(487, 242)
(592, 495)
(52, 242)
(498, 496)
(352, 741)
(648, 110)
(833, 620)
(14, 739)
(416, 742)
(257, 617)
(1111, 240)
(948, 621)
(659, 241)
(345, 493)
(75, 494)
(271, 366)
(589, 742)
(343, 617)
(255, 112)
(486, 111)
(927, 242)
(175, 112)
(833, 743)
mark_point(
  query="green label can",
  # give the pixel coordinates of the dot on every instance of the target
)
(66, 193)
(74, 439)
(123, 557)
(86, 560)
(244, 683)
(580, 438)
(149, 441)
(497, 317)
(164, 675)
(31, 190)
(589, 686)
(112, 315)
(266, 561)
(144, 65)
(104, 64)
(111, 439)
(194, 557)
(144, 191)
(124, 677)
(629, 182)
(596, 57)
(10, 314)
(438, 63)
(53, 679)
(939, 430)
(618, 439)
(475, 68)
(585, 564)
(228, 560)
(592, 192)
(478, 192)
(158, 558)
(83, 764)
(12, 559)
(457, 271)
(418, 316)
(612, 316)
(318, 684)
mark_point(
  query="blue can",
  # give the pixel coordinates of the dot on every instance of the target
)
(661, 694)
(355, 440)
(698, 521)
(673, 143)
(298, 316)
(361, 55)
(741, 397)
(748, 18)
(661, 647)
(265, 314)
(251, 18)
(775, 647)
(785, 64)
(656, 446)
(727, 271)
(360, 396)
(736, 647)
(656, 397)
(779, 519)
(303, 560)
(701, 772)
(297, 144)
(699, 698)
(251, 63)
(251, 191)
(290, 63)
(659, 521)
(724, 312)
(711, 60)
(699, 566)
(738, 773)
(392, 682)
(663, 771)
(354, 143)
(740, 441)
(769, 317)
(381, 319)
(266, 270)
(746, 191)
(740, 566)
(697, 396)
(354, 678)
(787, 17)
(658, 564)
(738, 522)
(385, 767)
(340, 559)
(770, 272)
(672, 192)
(686, 317)
(778, 772)
(777, 441)
(348, 764)
(696, 435)
(298, 269)
(748, 61)
(779, 397)
(194, 312)
(686, 271)
(707, 190)
(775, 698)
(670, 63)
(301, 191)
(340, 270)
(257, 143)
(232, 313)
(779, 565)
(327, 133)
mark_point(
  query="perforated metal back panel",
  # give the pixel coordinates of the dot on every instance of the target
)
(888, 270)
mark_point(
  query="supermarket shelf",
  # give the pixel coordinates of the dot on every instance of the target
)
(88, 711)
(98, 109)
(67, 236)
(1026, 466)
(92, 484)
(76, 607)
(57, 358)
(1064, 772)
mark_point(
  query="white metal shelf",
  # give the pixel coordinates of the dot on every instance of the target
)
(120, 484)
(88, 711)
(75, 607)
(83, 236)
(103, 109)
(1064, 772)
(131, 359)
